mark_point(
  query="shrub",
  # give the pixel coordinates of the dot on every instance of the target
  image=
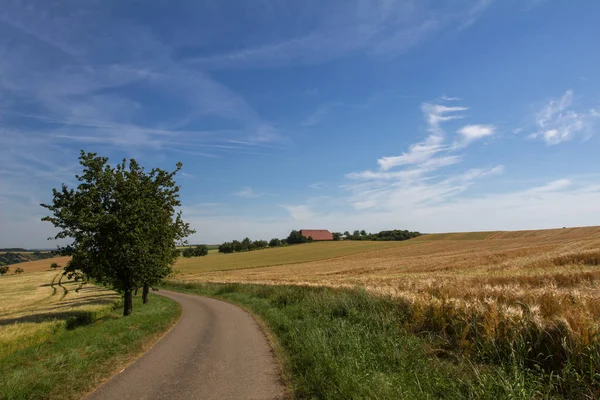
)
(54, 265)
(19, 271)
(197, 251)
(275, 243)
(296, 237)
(4, 269)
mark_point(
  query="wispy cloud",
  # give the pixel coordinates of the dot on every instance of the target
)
(316, 185)
(419, 181)
(558, 122)
(379, 27)
(318, 115)
(248, 193)
(434, 115)
(299, 212)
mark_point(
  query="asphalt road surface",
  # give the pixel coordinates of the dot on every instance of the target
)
(215, 351)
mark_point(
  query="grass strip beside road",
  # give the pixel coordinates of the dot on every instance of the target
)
(349, 344)
(77, 360)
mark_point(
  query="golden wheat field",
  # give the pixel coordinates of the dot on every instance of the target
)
(465, 284)
(40, 265)
(34, 305)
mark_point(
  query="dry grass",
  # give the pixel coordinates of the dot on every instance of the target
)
(39, 265)
(34, 305)
(482, 293)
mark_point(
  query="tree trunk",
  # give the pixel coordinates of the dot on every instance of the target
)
(145, 292)
(128, 302)
(136, 290)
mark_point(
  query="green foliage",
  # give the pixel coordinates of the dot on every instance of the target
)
(244, 245)
(274, 242)
(196, 251)
(4, 269)
(295, 237)
(337, 236)
(122, 222)
(19, 270)
(54, 265)
(396, 235)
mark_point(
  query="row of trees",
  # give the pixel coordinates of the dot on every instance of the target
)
(295, 237)
(244, 245)
(396, 234)
(123, 224)
(195, 251)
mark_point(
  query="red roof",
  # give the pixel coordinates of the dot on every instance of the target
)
(317, 234)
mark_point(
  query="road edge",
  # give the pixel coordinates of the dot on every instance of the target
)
(279, 356)
(147, 346)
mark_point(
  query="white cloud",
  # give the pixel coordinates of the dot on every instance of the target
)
(248, 193)
(299, 212)
(447, 98)
(551, 186)
(471, 133)
(421, 152)
(558, 122)
(421, 179)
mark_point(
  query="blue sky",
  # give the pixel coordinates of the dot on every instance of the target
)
(341, 114)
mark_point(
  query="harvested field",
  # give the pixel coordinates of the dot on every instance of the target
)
(484, 293)
(39, 265)
(33, 306)
(278, 255)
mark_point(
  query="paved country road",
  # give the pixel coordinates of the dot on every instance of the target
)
(215, 351)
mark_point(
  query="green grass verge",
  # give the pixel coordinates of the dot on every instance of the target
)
(348, 344)
(77, 359)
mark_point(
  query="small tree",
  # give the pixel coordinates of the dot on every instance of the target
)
(274, 242)
(201, 251)
(337, 236)
(226, 248)
(19, 270)
(54, 265)
(296, 237)
(309, 239)
(4, 269)
(123, 223)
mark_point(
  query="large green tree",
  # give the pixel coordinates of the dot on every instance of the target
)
(123, 222)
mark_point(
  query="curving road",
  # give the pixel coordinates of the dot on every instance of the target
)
(215, 351)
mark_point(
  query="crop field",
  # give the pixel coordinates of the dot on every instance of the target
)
(498, 296)
(33, 306)
(278, 256)
(39, 265)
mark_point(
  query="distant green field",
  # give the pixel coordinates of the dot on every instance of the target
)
(280, 255)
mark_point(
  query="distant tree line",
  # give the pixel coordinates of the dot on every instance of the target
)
(393, 235)
(195, 251)
(295, 237)
(237, 246)
(18, 257)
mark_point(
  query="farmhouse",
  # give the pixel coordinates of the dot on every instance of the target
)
(317, 234)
